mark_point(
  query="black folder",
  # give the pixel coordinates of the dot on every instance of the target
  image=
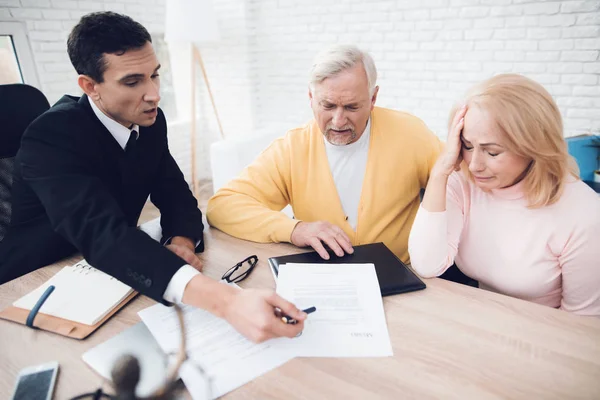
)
(393, 275)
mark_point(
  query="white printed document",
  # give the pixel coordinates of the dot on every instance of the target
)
(229, 359)
(349, 321)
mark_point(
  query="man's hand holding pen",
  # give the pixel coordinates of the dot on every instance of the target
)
(257, 314)
(286, 319)
(254, 314)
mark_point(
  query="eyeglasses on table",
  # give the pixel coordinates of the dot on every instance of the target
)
(241, 270)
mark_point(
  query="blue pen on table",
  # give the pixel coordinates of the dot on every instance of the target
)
(289, 320)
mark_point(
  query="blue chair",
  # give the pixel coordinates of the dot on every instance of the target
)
(586, 151)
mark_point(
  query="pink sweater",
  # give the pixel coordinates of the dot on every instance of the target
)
(549, 255)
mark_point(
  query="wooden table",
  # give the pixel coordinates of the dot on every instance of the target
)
(450, 342)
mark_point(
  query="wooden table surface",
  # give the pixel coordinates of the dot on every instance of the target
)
(450, 342)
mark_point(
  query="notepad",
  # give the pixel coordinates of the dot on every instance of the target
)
(81, 294)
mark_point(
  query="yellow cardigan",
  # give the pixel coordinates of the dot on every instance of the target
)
(295, 170)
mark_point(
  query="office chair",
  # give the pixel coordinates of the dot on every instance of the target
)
(19, 105)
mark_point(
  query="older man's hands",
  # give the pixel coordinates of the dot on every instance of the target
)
(315, 234)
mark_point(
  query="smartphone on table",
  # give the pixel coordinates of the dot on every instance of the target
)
(36, 383)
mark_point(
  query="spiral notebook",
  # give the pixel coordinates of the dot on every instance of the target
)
(81, 294)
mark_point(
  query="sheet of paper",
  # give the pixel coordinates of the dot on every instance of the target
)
(229, 359)
(349, 321)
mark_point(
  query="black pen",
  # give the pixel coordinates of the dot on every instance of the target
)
(289, 320)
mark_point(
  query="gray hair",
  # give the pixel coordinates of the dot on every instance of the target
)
(339, 58)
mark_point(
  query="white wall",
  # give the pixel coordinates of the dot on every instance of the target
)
(428, 53)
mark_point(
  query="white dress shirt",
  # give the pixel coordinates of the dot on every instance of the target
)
(348, 165)
(177, 284)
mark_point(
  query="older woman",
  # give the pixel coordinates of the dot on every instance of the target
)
(505, 203)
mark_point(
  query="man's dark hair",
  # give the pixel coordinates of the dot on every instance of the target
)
(99, 33)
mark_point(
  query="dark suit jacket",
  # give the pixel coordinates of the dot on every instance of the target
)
(75, 189)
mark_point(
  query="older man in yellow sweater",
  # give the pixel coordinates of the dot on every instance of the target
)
(352, 175)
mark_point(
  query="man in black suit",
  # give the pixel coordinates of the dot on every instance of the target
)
(85, 169)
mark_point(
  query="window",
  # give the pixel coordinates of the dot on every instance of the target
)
(10, 72)
(16, 60)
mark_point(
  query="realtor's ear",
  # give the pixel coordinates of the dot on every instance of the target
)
(89, 87)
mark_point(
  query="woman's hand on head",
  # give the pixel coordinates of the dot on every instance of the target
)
(450, 159)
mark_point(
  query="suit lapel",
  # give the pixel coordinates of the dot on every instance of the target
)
(100, 131)
(112, 156)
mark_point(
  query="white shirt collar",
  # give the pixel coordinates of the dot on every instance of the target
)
(118, 131)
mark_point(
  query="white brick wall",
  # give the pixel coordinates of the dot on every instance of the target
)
(428, 53)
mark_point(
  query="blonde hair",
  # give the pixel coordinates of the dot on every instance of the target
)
(530, 120)
(338, 58)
